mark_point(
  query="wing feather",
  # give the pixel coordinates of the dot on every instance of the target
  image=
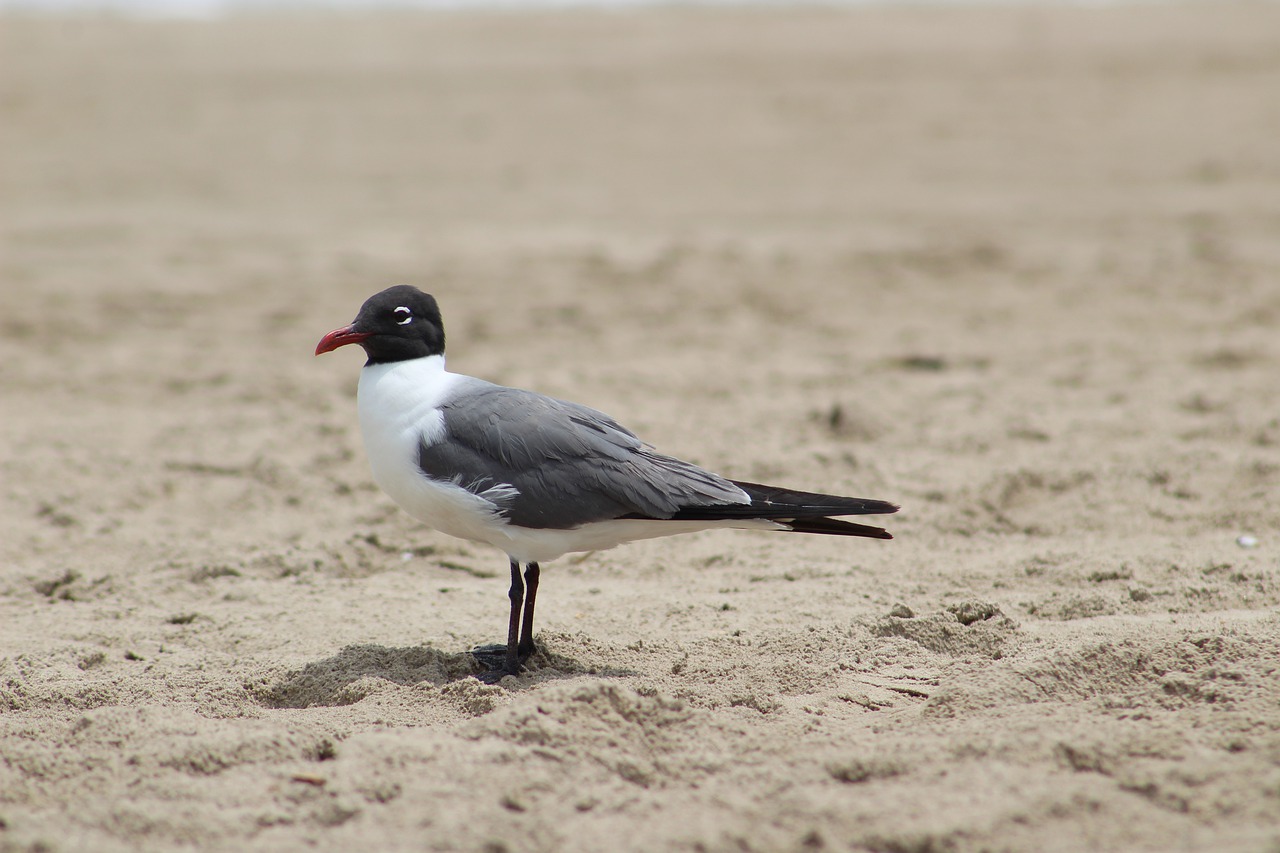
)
(568, 464)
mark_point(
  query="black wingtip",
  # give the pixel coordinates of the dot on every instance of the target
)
(779, 502)
(836, 527)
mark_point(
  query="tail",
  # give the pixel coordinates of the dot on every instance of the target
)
(800, 512)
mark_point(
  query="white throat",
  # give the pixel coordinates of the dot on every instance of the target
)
(399, 405)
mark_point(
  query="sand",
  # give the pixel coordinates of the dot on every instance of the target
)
(1015, 269)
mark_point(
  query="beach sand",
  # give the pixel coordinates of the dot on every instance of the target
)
(1015, 269)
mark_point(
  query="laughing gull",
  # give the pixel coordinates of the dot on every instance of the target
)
(535, 476)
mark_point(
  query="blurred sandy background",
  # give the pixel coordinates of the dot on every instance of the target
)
(1016, 269)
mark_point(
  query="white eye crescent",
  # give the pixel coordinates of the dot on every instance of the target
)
(408, 315)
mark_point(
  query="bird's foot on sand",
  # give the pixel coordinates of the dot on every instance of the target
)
(494, 657)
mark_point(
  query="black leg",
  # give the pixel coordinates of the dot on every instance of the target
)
(526, 630)
(516, 594)
(505, 660)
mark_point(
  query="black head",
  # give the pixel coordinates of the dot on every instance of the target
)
(397, 324)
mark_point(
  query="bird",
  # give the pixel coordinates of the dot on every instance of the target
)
(532, 475)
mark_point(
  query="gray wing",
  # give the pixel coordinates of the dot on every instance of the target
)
(571, 465)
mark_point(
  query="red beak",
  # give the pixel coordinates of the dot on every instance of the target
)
(340, 338)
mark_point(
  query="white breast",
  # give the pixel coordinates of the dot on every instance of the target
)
(399, 407)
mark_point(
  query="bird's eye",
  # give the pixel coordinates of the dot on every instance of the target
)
(404, 312)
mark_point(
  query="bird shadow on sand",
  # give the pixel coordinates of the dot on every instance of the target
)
(344, 678)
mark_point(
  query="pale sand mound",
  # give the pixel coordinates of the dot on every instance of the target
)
(1014, 269)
